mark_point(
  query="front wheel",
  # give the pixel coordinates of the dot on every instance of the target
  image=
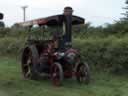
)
(56, 74)
(83, 73)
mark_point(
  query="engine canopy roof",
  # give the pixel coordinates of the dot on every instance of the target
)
(56, 20)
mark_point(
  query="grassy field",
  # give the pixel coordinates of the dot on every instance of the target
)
(13, 84)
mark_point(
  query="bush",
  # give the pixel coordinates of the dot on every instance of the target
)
(105, 53)
(10, 46)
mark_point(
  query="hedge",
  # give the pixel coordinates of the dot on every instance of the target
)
(110, 53)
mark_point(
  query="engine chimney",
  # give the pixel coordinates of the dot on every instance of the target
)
(68, 26)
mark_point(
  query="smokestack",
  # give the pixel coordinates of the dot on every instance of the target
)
(68, 25)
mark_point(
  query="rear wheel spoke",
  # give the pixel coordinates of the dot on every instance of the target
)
(28, 74)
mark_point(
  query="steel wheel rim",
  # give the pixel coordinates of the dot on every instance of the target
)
(56, 76)
(27, 66)
(82, 73)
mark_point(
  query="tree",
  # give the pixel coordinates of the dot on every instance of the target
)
(125, 18)
(2, 25)
(1, 15)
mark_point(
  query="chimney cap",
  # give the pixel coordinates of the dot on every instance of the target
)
(68, 10)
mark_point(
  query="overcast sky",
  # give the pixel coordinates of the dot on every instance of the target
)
(97, 12)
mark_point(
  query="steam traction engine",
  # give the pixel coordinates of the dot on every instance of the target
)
(54, 58)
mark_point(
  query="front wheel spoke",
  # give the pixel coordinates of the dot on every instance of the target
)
(54, 75)
(82, 73)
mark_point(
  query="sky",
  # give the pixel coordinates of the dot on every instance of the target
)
(97, 12)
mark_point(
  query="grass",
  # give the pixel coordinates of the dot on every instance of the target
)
(13, 84)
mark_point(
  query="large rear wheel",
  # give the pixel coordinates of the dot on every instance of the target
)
(30, 62)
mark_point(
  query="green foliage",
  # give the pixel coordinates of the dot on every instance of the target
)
(2, 24)
(12, 32)
(103, 47)
(125, 18)
(11, 45)
(39, 34)
(4, 32)
(109, 54)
